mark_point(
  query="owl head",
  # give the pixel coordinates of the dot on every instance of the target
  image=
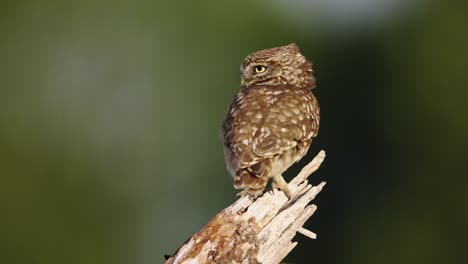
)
(281, 66)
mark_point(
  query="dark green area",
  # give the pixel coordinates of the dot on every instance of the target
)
(111, 111)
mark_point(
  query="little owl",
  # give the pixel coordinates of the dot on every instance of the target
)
(272, 120)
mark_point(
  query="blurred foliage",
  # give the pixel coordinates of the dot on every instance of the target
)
(110, 117)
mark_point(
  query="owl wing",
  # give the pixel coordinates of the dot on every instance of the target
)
(260, 126)
(241, 126)
(292, 120)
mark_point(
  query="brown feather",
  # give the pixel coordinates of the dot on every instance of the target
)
(273, 118)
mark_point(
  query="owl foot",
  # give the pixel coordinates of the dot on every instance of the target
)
(279, 183)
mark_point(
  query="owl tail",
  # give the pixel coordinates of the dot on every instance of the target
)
(253, 179)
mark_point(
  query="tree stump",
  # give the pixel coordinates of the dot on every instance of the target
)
(259, 231)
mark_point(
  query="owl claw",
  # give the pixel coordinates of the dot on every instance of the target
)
(273, 189)
(280, 183)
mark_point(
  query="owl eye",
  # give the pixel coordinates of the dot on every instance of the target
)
(259, 69)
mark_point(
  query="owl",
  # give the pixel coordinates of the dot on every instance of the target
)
(272, 120)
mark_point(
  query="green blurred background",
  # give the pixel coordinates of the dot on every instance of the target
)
(111, 113)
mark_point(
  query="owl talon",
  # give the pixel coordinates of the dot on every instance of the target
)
(279, 183)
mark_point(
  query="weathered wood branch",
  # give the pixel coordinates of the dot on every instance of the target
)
(257, 231)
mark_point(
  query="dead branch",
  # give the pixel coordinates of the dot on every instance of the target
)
(259, 231)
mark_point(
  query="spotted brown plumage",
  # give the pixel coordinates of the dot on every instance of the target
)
(272, 120)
